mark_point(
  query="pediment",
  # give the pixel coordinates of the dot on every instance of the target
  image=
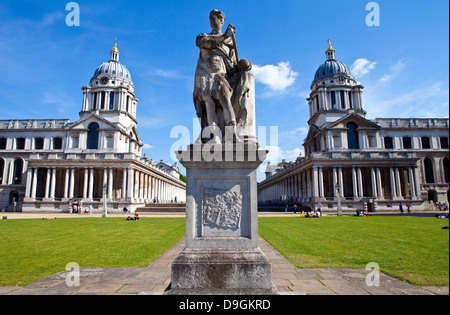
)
(358, 120)
(83, 124)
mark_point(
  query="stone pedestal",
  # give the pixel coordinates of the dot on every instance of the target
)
(222, 253)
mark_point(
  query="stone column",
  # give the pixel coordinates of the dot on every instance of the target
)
(110, 183)
(124, 183)
(417, 181)
(360, 184)
(47, 184)
(315, 183)
(354, 183)
(35, 178)
(53, 185)
(341, 182)
(374, 182)
(29, 182)
(411, 182)
(91, 184)
(85, 183)
(392, 178)
(321, 194)
(335, 181)
(379, 186)
(398, 183)
(130, 190)
(66, 184)
(72, 183)
(105, 180)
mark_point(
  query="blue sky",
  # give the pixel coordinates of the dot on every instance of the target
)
(403, 63)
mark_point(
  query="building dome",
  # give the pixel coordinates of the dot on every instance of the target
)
(331, 67)
(113, 68)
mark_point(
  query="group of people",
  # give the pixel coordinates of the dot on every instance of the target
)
(311, 214)
(361, 213)
(77, 208)
(408, 208)
(304, 214)
(135, 218)
(443, 206)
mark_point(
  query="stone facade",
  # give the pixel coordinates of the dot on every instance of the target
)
(48, 165)
(366, 164)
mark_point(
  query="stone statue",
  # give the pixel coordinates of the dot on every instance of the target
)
(224, 91)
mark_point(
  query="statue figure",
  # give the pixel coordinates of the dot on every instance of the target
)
(222, 84)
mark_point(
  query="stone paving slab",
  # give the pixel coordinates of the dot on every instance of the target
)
(155, 279)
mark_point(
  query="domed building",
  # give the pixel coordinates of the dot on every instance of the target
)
(353, 163)
(51, 165)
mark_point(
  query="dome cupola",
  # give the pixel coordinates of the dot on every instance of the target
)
(112, 70)
(110, 93)
(334, 91)
(331, 67)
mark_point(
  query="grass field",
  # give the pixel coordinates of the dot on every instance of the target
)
(34, 249)
(414, 249)
(411, 248)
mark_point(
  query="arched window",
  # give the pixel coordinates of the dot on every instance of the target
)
(446, 163)
(429, 172)
(92, 139)
(2, 169)
(111, 100)
(352, 136)
(18, 170)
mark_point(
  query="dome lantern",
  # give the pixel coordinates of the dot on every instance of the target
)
(115, 52)
(330, 51)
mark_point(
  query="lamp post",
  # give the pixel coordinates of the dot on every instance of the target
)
(105, 210)
(338, 193)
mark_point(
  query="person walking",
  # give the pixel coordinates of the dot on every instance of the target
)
(401, 208)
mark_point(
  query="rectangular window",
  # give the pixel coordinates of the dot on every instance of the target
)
(20, 143)
(350, 100)
(111, 100)
(57, 143)
(94, 101)
(443, 141)
(342, 100)
(2, 143)
(38, 143)
(372, 141)
(426, 143)
(102, 102)
(333, 100)
(388, 143)
(407, 143)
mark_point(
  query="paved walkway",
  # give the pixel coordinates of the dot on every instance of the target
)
(156, 278)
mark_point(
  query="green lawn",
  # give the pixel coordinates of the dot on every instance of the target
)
(414, 249)
(411, 248)
(34, 249)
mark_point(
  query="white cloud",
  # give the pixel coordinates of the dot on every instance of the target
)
(169, 74)
(51, 18)
(277, 78)
(396, 69)
(276, 154)
(147, 146)
(362, 66)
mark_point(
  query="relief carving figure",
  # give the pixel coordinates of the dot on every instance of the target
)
(221, 208)
(222, 85)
